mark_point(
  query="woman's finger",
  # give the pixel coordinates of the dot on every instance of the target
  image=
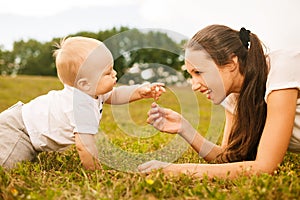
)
(143, 167)
(152, 165)
(157, 109)
(153, 111)
(153, 105)
(162, 111)
(152, 118)
(157, 123)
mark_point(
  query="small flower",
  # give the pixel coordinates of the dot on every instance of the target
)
(14, 191)
(149, 181)
(291, 173)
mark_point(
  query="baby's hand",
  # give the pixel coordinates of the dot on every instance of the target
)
(151, 90)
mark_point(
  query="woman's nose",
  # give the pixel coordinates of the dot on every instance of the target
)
(196, 85)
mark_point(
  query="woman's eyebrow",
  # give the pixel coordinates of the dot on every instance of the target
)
(195, 69)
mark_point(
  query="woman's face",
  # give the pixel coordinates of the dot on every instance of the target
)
(206, 77)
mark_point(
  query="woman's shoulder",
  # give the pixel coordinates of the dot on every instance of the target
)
(284, 70)
(284, 62)
(284, 56)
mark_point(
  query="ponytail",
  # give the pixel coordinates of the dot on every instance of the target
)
(251, 108)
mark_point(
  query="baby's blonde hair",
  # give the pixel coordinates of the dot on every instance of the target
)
(70, 54)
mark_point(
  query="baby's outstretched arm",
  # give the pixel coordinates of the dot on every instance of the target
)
(126, 94)
(87, 150)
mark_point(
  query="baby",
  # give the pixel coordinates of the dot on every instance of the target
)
(54, 121)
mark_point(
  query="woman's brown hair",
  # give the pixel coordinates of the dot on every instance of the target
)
(221, 42)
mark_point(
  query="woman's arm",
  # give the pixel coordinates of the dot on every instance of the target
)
(216, 150)
(281, 109)
(281, 106)
(169, 121)
(87, 150)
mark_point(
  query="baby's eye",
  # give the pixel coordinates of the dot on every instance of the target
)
(198, 72)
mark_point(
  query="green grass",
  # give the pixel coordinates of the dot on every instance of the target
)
(60, 175)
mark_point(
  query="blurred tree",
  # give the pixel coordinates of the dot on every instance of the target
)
(7, 63)
(128, 46)
(136, 47)
(34, 58)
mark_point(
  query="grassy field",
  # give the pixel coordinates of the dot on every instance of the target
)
(125, 141)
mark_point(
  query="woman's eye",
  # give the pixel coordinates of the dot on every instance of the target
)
(198, 72)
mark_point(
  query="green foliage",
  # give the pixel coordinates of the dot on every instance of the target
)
(128, 46)
(34, 58)
(7, 63)
(56, 175)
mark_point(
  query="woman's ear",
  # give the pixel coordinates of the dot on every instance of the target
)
(83, 84)
(234, 63)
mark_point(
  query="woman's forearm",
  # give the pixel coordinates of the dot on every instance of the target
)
(197, 141)
(227, 170)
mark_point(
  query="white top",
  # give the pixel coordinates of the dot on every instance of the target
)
(284, 73)
(52, 119)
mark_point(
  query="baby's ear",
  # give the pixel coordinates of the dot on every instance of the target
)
(83, 84)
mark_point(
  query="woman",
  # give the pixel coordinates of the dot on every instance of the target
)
(261, 97)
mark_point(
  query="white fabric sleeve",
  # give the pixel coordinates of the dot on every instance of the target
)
(86, 115)
(284, 71)
(230, 102)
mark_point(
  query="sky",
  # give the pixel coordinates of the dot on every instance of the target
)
(275, 22)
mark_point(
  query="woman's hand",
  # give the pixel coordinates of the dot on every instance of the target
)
(152, 165)
(165, 120)
(169, 121)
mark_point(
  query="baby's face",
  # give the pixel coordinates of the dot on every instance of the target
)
(98, 72)
(107, 81)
